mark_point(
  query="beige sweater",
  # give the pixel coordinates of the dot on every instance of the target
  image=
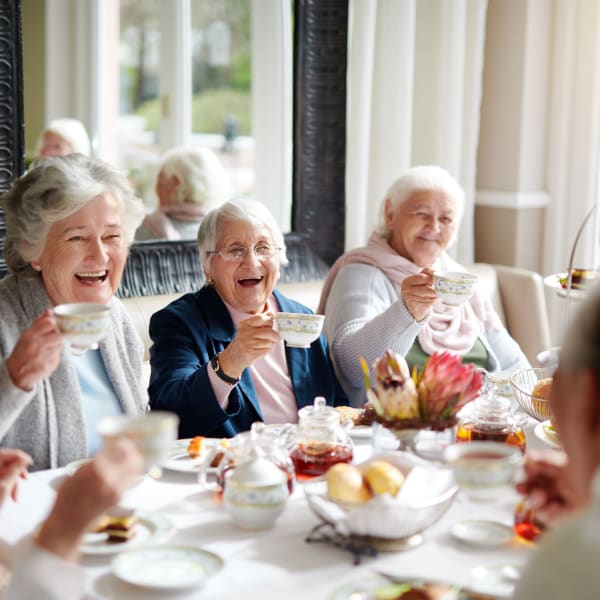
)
(48, 421)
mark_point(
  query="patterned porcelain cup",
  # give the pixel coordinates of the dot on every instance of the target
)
(83, 324)
(454, 287)
(299, 330)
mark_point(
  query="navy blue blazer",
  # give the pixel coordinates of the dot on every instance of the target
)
(188, 333)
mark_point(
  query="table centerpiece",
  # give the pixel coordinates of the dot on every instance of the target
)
(406, 403)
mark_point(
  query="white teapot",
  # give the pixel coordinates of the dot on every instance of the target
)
(256, 493)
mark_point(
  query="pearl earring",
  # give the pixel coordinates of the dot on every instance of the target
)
(36, 266)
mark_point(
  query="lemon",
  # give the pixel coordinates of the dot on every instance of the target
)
(383, 477)
(345, 484)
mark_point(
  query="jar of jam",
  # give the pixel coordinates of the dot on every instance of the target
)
(490, 418)
(321, 441)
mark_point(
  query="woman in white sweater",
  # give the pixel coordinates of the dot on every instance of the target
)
(382, 296)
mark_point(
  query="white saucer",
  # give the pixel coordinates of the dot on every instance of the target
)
(168, 567)
(495, 581)
(552, 281)
(547, 435)
(482, 533)
(178, 458)
(361, 432)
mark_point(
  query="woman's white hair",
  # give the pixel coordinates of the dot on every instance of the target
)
(202, 178)
(54, 188)
(417, 179)
(246, 211)
(70, 130)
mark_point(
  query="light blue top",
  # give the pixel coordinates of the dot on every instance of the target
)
(99, 398)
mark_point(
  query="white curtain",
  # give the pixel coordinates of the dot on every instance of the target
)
(414, 92)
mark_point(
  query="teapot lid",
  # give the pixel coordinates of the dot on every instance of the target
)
(258, 471)
(319, 412)
(491, 407)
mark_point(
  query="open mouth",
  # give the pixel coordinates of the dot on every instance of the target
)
(250, 281)
(92, 277)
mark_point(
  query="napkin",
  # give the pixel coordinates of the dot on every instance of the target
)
(423, 484)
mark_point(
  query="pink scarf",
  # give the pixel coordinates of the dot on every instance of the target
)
(160, 224)
(450, 328)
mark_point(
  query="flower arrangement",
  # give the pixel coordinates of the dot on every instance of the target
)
(430, 399)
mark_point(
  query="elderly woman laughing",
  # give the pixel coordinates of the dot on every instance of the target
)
(382, 296)
(217, 360)
(69, 221)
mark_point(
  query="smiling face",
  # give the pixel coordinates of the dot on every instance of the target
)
(245, 285)
(422, 226)
(85, 254)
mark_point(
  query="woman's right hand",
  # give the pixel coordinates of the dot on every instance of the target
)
(37, 352)
(418, 293)
(254, 339)
(549, 487)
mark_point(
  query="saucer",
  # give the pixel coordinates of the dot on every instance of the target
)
(544, 432)
(495, 581)
(481, 533)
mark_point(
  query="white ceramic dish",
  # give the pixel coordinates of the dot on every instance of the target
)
(178, 459)
(370, 587)
(495, 581)
(168, 567)
(151, 529)
(552, 282)
(361, 432)
(546, 434)
(485, 534)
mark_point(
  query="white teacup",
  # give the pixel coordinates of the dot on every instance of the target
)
(482, 469)
(153, 432)
(83, 324)
(299, 330)
(454, 287)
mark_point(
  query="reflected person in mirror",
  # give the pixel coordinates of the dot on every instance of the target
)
(382, 296)
(46, 565)
(63, 136)
(217, 360)
(69, 223)
(566, 563)
(190, 183)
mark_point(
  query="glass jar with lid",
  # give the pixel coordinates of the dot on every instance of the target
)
(321, 441)
(490, 418)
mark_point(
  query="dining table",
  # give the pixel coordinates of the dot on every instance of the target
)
(279, 562)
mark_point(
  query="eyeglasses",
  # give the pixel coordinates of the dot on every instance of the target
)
(239, 253)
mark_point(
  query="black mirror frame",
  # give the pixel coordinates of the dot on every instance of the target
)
(318, 214)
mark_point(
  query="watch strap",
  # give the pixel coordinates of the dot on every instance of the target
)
(216, 367)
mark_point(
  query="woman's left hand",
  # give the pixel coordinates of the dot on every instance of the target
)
(37, 352)
(418, 293)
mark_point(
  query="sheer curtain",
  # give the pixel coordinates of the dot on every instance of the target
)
(414, 91)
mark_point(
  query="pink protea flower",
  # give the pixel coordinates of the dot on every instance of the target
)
(445, 385)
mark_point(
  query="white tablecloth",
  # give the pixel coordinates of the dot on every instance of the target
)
(274, 563)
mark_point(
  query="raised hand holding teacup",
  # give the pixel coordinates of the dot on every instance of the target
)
(419, 294)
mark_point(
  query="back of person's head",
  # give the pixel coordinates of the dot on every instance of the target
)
(247, 211)
(417, 179)
(55, 188)
(70, 130)
(202, 178)
(581, 345)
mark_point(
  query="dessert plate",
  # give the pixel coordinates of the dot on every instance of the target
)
(178, 458)
(150, 529)
(373, 587)
(485, 534)
(545, 432)
(495, 581)
(168, 567)
(552, 281)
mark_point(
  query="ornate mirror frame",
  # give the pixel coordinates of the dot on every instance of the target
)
(318, 213)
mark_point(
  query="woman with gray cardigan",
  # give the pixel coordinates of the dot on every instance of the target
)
(69, 223)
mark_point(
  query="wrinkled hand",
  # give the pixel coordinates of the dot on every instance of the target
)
(254, 339)
(37, 352)
(549, 487)
(418, 293)
(82, 498)
(13, 466)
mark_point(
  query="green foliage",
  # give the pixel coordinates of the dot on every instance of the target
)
(209, 109)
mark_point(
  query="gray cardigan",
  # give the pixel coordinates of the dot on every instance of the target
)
(365, 316)
(48, 421)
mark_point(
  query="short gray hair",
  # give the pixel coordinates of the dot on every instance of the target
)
(417, 179)
(70, 130)
(247, 211)
(202, 178)
(53, 189)
(581, 346)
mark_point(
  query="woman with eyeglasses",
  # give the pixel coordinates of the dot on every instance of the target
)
(217, 360)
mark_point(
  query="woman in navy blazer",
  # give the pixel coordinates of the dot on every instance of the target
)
(217, 360)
